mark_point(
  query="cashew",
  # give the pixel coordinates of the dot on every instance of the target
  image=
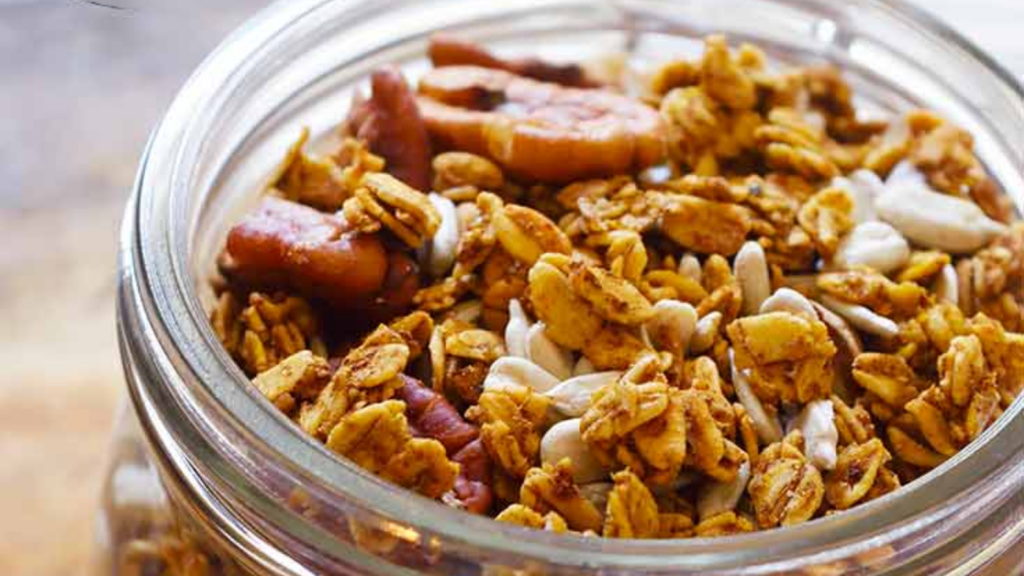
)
(789, 300)
(509, 370)
(768, 428)
(705, 332)
(863, 186)
(905, 171)
(563, 440)
(947, 285)
(862, 317)
(516, 330)
(717, 497)
(583, 367)
(816, 422)
(874, 244)
(546, 354)
(671, 327)
(572, 396)
(689, 266)
(751, 270)
(438, 255)
(936, 220)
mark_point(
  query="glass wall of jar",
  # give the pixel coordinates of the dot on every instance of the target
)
(246, 491)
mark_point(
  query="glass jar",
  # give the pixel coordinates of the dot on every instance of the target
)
(209, 478)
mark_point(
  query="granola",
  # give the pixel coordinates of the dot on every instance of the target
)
(727, 304)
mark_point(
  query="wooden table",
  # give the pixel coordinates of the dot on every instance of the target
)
(81, 87)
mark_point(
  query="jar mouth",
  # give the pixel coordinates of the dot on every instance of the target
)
(166, 329)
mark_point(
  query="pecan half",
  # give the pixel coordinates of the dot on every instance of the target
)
(391, 123)
(537, 130)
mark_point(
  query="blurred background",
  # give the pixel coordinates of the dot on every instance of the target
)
(81, 84)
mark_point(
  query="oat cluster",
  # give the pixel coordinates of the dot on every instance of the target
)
(715, 300)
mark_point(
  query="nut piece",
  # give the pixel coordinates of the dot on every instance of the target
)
(768, 427)
(540, 350)
(632, 511)
(391, 123)
(526, 234)
(789, 300)
(874, 244)
(751, 270)
(526, 127)
(715, 498)
(563, 440)
(947, 285)
(817, 424)
(439, 253)
(289, 245)
(936, 220)
(572, 396)
(516, 329)
(785, 489)
(706, 332)
(862, 317)
(704, 226)
(671, 327)
(863, 186)
(510, 371)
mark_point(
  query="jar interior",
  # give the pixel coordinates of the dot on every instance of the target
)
(305, 76)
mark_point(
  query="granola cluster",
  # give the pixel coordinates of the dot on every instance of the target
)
(717, 300)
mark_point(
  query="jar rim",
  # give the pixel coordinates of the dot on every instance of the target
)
(159, 290)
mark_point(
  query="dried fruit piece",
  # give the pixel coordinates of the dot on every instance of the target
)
(539, 131)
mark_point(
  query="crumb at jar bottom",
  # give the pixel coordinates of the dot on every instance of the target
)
(208, 477)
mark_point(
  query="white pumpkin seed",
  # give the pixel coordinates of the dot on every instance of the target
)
(862, 317)
(751, 270)
(768, 428)
(718, 497)
(817, 423)
(671, 327)
(516, 329)
(947, 285)
(440, 251)
(705, 333)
